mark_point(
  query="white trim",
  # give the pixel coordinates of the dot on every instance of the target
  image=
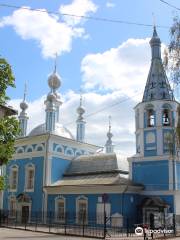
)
(61, 147)
(80, 199)
(19, 149)
(29, 147)
(78, 151)
(39, 145)
(57, 200)
(13, 168)
(29, 166)
(71, 150)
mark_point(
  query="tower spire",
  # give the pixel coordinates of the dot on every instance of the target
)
(157, 85)
(80, 132)
(109, 145)
(53, 101)
(23, 118)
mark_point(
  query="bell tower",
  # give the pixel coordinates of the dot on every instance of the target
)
(155, 118)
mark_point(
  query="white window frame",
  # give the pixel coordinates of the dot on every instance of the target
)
(27, 169)
(57, 201)
(12, 212)
(79, 200)
(13, 168)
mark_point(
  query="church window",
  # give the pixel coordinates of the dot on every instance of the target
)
(29, 148)
(12, 206)
(60, 209)
(137, 119)
(30, 174)
(150, 118)
(82, 210)
(20, 150)
(13, 178)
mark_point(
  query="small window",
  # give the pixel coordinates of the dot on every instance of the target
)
(14, 178)
(39, 149)
(60, 210)
(150, 118)
(166, 117)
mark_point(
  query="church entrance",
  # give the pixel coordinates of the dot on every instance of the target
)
(154, 211)
(25, 214)
(24, 208)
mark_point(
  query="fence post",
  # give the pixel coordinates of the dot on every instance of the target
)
(83, 221)
(49, 222)
(36, 220)
(105, 227)
(174, 224)
(127, 227)
(65, 222)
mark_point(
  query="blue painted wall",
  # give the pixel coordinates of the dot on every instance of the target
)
(154, 175)
(58, 167)
(125, 204)
(178, 174)
(150, 149)
(37, 195)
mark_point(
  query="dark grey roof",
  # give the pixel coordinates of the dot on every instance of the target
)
(92, 164)
(157, 85)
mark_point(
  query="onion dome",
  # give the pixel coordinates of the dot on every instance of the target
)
(23, 105)
(54, 81)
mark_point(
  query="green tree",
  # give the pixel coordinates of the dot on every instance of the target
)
(9, 126)
(172, 57)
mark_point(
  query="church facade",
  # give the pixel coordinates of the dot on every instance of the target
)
(53, 173)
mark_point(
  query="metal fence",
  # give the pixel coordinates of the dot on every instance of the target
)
(79, 224)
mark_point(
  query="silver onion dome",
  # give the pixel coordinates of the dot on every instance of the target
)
(54, 81)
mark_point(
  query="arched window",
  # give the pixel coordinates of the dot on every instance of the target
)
(60, 209)
(20, 150)
(150, 118)
(30, 175)
(29, 148)
(13, 178)
(69, 152)
(137, 119)
(166, 121)
(12, 206)
(82, 210)
(39, 147)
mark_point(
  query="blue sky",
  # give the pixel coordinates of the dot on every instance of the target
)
(91, 54)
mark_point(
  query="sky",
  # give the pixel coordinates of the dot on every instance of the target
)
(108, 62)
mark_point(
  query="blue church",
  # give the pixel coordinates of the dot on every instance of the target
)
(53, 172)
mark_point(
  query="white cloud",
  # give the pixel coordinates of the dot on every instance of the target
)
(123, 68)
(52, 35)
(77, 7)
(110, 5)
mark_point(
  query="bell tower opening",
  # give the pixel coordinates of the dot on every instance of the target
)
(150, 118)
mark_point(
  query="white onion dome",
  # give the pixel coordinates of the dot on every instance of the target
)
(54, 81)
(23, 105)
(80, 110)
(60, 130)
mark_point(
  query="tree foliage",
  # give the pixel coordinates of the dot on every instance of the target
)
(173, 60)
(9, 126)
(6, 80)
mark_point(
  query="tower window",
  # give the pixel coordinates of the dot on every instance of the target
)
(150, 118)
(166, 118)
